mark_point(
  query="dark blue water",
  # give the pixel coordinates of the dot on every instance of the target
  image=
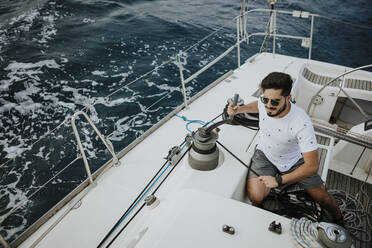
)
(57, 57)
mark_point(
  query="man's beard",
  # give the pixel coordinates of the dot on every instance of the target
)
(279, 111)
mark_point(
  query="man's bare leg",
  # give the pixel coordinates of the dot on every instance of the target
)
(327, 201)
(257, 191)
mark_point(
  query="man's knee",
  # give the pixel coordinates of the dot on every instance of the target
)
(256, 190)
(256, 198)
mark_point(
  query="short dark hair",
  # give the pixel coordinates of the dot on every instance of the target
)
(278, 80)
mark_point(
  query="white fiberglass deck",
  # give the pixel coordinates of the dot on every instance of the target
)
(195, 219)
(87, 225)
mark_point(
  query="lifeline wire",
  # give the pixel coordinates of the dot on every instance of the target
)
(42, 137)
(30, 196)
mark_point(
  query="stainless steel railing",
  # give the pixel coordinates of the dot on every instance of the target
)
(341, 88)
(272, 32)
(82, 152)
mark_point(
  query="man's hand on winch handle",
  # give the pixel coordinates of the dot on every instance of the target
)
(232, 110)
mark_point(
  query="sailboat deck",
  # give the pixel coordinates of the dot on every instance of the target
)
(102, 210)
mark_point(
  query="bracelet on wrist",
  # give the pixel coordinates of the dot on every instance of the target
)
(278, 179)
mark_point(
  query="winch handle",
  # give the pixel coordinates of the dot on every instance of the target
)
(235, 101)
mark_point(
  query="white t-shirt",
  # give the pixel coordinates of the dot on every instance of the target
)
(283, 140)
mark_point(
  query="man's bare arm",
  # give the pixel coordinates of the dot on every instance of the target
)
(248, 108)
(307, 169)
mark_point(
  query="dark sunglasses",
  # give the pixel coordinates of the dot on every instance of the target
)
(266, 100)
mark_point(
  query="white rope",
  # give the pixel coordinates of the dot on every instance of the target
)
(304, 233)
(30, 196)
(267, 32)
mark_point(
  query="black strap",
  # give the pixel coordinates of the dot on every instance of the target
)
(248, 167)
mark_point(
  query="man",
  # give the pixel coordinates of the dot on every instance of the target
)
(287, 150)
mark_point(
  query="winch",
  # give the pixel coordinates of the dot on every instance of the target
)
(319, 234)
(332, 235)
(204, 152)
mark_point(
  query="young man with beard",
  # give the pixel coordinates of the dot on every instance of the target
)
(287, 150)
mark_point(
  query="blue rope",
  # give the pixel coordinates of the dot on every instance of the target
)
(144, 193)
(188, 122)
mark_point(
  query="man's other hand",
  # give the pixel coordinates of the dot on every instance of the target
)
(232, 110)
(269, 181)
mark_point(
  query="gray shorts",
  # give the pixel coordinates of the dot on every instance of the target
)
(261, 165)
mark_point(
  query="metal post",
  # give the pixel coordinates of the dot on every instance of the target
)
(274, 31)
(356, 163)
(238, 40)
(182, 80)
(86, 164)
(3, 242)
(109, 148)
(311, 35)
(328, 158)
(81, 149)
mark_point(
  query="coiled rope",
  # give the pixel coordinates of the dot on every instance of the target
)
(304, 233)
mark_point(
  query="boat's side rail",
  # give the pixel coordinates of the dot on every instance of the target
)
(343, 134)
(333, 132)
